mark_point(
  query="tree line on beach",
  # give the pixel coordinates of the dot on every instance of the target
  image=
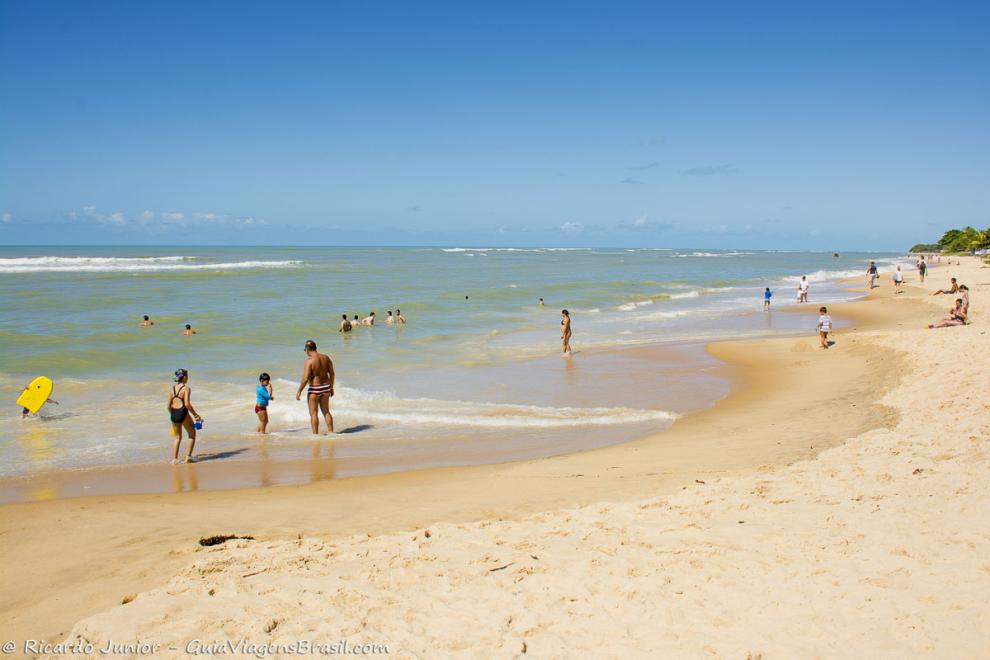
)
(957, 241)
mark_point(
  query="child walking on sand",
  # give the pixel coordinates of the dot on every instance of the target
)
(766, 298)
(264, 394)
(824, 326)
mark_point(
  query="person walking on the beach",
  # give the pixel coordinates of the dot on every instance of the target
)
(263, 395)
(147, 322)
(565, 331)
(824, 326)
(803, 289)
(872, 272)
(767, 294)
(922, 268)
(181, 414)
(898, 280)
(318, 375)
(345, 325)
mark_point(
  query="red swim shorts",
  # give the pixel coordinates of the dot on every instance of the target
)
(258, 408)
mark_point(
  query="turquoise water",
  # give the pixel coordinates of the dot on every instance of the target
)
(74, 315)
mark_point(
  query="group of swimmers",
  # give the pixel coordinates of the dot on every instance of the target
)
(346, 325)
(186, 332)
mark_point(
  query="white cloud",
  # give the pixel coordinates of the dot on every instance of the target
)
(6, 217)
(115, 219)
(173, 216)
(89, 211)
(210, 217)
(571, 227)
(147, 216)
(641, 221)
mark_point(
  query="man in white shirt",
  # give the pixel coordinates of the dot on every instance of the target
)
(803, 289)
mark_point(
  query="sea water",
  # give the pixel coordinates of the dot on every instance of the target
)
(474, 376)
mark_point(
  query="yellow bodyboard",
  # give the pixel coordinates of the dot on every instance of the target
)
(36, 394)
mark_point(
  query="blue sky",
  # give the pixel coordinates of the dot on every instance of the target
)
(776, 125)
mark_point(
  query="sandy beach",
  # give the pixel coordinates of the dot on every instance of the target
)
(831, 506)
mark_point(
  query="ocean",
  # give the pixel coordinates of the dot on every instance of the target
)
(475, 375)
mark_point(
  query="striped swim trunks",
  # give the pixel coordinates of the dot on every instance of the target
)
(319, 390)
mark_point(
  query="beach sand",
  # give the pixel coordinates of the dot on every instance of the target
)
(831, 506)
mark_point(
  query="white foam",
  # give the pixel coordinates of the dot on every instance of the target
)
(385, 407)
(125, 264)
(711, 254)
(628, 307)
(686, 294)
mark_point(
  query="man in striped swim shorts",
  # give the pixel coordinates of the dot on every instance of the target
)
(318, 376)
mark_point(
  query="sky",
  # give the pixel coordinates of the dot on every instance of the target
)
(721, 125)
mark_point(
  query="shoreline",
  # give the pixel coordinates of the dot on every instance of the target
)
(125, 544)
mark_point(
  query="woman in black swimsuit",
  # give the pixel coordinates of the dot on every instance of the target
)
(181, 414)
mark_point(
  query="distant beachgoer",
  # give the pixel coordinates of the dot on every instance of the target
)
(263, 395)
(541, 302)
(390, 320)
(803, 289)
(399, 318)
(922, 268)
(181, 414)
(964, 292)
(767, 294)
(369, 319)
(318, 375)
(356, 322)
(872, 272)
(956, 316)
(824, 326)
(565, 331)
(898, 280)
(147, 321)
(952, 289)
(345, 325)
(188, 331)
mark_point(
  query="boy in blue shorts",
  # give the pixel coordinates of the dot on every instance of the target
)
(766, 298)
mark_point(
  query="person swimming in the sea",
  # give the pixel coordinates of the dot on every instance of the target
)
(369, 319)
(345, 325)
(188, 331)
(390, 320)
(399, 318)
(147, 321)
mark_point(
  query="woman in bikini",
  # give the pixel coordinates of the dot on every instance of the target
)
(565, 330)
(181, 414)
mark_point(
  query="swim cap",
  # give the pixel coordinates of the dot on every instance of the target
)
(180, 374)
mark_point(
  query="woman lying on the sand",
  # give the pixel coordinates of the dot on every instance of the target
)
(956, 316)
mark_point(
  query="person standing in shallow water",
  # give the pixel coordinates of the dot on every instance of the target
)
(565, 331)
(181, 414)
(318, 375)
